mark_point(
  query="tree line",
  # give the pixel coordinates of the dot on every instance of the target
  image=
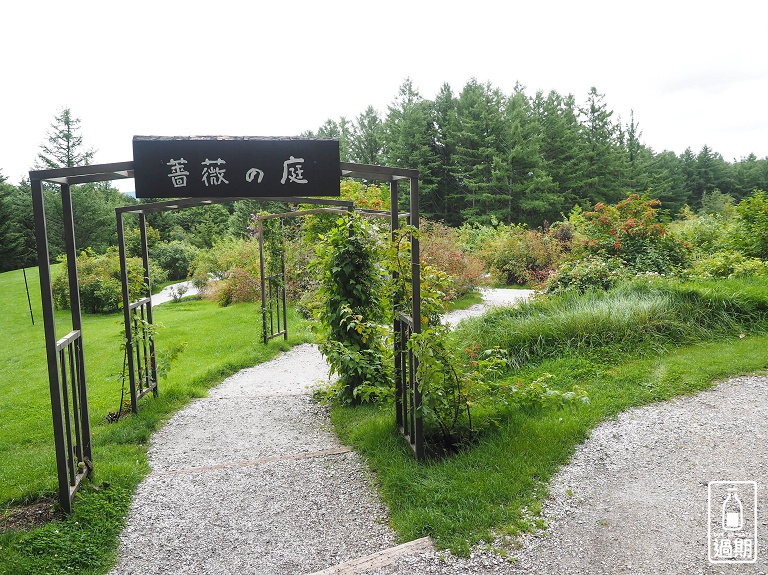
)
(483, 156)
(486, 156)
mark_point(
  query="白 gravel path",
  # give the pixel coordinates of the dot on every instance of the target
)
(252, 480)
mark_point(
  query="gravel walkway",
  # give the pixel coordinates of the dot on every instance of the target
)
(252, 480)
(169, 292)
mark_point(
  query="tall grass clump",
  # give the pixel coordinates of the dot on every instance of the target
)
(637, 315)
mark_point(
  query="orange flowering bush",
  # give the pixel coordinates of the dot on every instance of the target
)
(631, 231)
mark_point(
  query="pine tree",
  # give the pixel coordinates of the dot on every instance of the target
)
(478, 141)
(665, 179)
(520, 167)
(64, 144)
(562, 147)
(446, 201)
(750, 174)
(603, 154)
(12, 250)
(367, 138)
(340, 131)
(409, 138)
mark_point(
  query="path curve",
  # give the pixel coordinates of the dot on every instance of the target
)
(491, 298)
(252, 480)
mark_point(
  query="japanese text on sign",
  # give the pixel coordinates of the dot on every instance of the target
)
(236, 167)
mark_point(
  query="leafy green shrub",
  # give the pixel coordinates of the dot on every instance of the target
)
(525, 257)
(716, 202)
(591, 272)
(100, 284)
(175, 257)
(238, 285)
(229, 272)
(364, 371)
(435, 284)
(440, 248)
(727, 264)
(703, 234)
(751, 236)
(133, 240)
(515, 255)
(351, 291)
(630, 230)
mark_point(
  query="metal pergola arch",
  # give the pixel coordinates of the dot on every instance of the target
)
(65, 356)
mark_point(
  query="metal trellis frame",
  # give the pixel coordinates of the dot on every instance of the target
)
(66, 357)
(66, 363)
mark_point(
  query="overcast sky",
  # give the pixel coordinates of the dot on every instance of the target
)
(695, 73)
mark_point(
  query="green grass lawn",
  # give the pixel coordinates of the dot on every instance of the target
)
(494, 486)
(219, 341)
(497, 485)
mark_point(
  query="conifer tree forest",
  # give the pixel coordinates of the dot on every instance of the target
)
(484, 157)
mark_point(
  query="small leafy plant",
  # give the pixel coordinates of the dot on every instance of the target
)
(454, 383)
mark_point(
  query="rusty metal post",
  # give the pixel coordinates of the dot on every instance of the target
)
(127, 313)
(46, 293)
(148, 294)
(418, 423)
(260, 234)
(81, 403)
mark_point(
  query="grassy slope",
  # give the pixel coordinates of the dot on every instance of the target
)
(495, 485)
(219, 341)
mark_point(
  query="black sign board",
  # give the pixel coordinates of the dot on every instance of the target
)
(222, 166)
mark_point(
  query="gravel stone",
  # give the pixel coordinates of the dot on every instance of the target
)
(634, 497)
(632, 500)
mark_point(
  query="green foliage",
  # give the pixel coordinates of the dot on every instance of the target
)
(631, 230)
(588, 273)
(727, 264)
(365, 196)
(704, 234)
(752, 216)
(440, 249)
(523, 257)
(351, 289)
(515, 255)
(229, 271)
(175, 257)
(454, 384)
(11, 239)
(99, 280)
(538, 395)
(451, 384)
(133, 240)
(203, 226)
(364, 369)
(716, 202)
(648, 312)
(436, 286)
